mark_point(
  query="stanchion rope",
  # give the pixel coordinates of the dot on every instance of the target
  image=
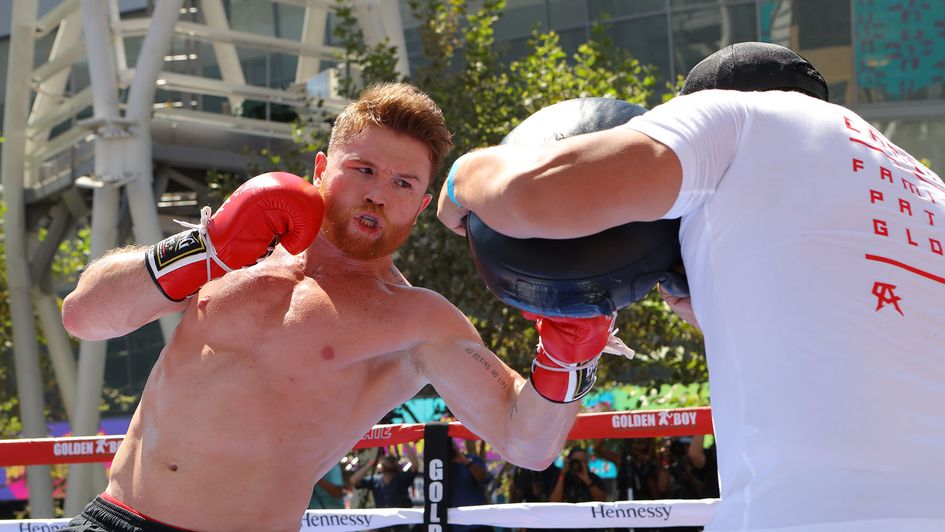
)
(623, 424)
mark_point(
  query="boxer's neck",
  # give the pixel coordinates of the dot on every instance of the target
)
(324, 257)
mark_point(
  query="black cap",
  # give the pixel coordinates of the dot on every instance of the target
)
(756, 66)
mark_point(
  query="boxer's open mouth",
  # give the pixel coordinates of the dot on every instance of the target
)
(368, 221)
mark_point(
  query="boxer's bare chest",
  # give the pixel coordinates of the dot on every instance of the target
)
(321, 320)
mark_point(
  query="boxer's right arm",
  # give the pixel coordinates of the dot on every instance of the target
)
(114, 296)
(123, 291)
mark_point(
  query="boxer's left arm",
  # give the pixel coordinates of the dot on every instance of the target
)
(490, 398)
(498, 404)
(607, 178)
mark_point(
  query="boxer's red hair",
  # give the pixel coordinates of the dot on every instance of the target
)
(400, 107)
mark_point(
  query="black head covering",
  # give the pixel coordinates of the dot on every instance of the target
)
(756, 66)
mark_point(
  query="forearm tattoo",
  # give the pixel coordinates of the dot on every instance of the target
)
(488, 366)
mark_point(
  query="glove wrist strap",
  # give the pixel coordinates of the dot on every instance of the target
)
(172, 260)
(562, 383)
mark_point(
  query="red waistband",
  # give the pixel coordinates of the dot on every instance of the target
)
(116, 502)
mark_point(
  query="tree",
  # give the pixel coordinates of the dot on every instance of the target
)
(71, 257)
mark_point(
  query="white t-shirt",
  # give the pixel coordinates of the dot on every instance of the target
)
(814, 251)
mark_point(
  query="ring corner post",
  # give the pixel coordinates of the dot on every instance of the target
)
(437, 463)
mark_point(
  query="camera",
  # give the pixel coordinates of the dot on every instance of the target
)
(575, 466)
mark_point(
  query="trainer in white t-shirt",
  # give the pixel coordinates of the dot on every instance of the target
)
(814, 251)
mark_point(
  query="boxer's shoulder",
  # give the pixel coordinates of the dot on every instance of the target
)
(436, 321)
(423, 302)
(263, 291)
(261, 285)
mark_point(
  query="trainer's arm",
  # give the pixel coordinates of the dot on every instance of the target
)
(493, 400)
(115, 295)
(610, 178)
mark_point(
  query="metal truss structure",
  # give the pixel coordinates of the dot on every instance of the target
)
(113, 152)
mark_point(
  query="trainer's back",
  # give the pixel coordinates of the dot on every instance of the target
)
(814, 251)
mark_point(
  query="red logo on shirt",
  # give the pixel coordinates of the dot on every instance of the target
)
(885, 296)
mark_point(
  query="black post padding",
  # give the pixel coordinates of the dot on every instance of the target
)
(437, 461)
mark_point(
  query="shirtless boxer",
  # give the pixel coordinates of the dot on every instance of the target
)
(813, 248)
(277, 370)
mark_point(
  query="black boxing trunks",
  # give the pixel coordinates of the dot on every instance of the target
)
(107, 514)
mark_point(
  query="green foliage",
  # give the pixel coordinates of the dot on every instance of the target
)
(633, 397)
(376, 63)
(71, 257)
(10, 423)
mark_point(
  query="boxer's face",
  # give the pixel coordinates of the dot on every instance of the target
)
(374, 188)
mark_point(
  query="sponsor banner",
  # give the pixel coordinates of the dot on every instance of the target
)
(33, 525)
(627, 424)
(386, 435)
(643, 424)
(16, 454)
(355, 520)
(623, 514)
(321, 520)
(76, 450)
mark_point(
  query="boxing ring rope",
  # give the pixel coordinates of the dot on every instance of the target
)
(623, 514)
(626, 424)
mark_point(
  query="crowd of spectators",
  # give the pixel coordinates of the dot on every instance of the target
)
(646, 469)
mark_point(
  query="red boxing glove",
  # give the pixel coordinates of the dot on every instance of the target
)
(271, 208)
(565, 366)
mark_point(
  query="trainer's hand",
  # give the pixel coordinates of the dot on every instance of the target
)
(568, 346)
(448, 207)
(268, 209)
(681, 306)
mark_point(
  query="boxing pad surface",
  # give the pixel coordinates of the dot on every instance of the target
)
(580, 277)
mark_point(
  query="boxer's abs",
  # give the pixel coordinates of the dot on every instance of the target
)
(217, 446)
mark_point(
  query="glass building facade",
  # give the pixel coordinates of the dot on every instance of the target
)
(885, 59)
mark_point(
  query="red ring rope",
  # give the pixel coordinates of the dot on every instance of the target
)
(627, 424)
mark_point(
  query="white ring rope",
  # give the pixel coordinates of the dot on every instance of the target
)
(620, 514)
